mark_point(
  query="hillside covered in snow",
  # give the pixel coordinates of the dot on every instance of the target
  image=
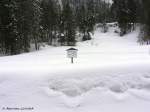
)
(110, 74)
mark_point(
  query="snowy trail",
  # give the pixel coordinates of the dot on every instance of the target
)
(111, 74)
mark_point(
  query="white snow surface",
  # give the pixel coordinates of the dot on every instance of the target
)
(111, 74)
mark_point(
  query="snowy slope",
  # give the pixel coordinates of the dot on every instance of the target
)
(111, 74)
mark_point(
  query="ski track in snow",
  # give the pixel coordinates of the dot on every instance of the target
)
(111, 74)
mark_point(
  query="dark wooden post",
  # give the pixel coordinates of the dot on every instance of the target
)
(72, 60)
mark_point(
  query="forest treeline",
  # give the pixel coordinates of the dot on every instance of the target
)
(59, 22)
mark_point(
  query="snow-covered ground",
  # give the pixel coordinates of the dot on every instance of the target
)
(111, 74)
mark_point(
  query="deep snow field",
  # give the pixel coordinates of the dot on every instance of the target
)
(111, 74)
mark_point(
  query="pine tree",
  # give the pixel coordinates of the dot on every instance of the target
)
(81, 18)
(49, 18)
(90, 15)
(69, 25)
(36, 13)
(132, 13)
(146, 4)
(86, 19)
(61, 37)
(28, 15)
(126, 14)
(8, 27)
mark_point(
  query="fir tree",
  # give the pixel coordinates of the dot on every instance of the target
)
(49, 18)
(69, 25)
(125, 11)
(8, 28)
(145, 20)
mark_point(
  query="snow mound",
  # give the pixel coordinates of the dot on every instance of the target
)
(74, 87)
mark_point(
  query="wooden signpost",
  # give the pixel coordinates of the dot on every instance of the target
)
(72, 53)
